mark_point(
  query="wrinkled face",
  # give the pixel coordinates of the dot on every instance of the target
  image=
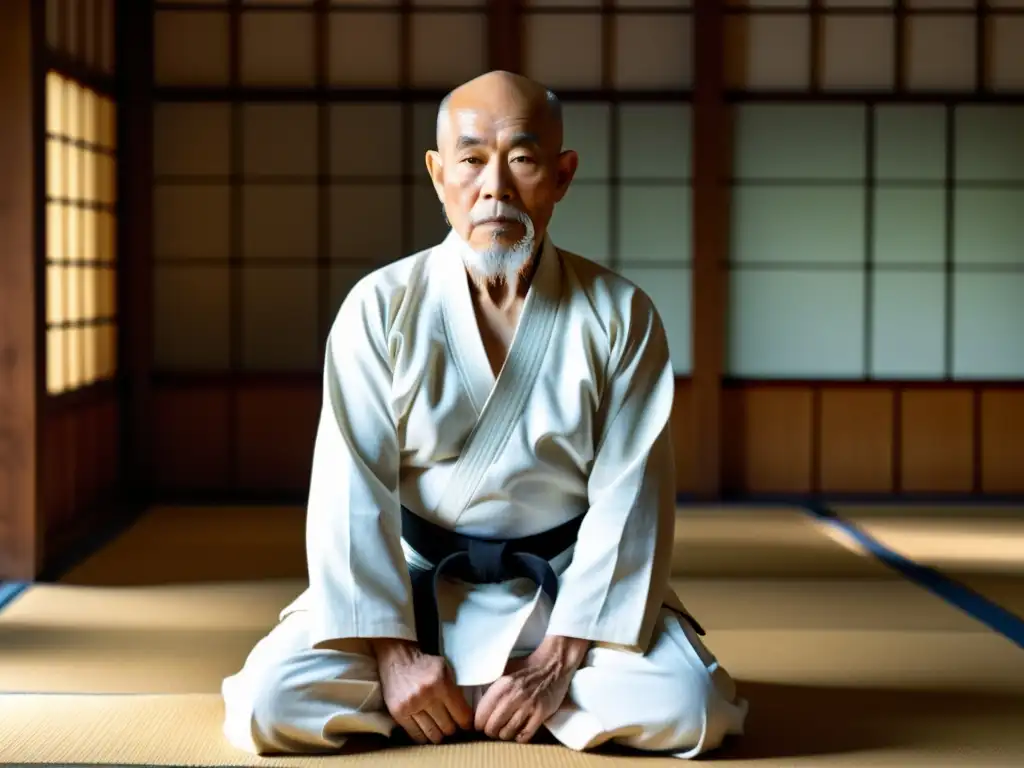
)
(499, 171)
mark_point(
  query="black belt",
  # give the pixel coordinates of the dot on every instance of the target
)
(477, 561)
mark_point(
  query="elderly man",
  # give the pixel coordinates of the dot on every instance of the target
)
(491, 509)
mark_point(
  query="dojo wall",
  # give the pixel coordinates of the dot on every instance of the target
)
(78, 269)
(872, 273)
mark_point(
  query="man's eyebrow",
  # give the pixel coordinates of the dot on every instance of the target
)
(521, 139)
(465, 142)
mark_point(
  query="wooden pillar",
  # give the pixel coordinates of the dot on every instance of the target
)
(135, 241)
(20, 364)
(712, 146)
(505, 35)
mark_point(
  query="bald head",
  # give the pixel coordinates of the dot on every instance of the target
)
(500, 89)
(499, 167)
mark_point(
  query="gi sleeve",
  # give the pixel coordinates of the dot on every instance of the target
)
(359, 584)
(615, 585)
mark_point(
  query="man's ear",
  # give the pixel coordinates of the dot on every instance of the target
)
(568, 162)
(435, 167)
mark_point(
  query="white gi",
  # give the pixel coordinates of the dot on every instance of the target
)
(576, 422)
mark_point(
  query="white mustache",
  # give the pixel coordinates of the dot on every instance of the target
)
(498, 210)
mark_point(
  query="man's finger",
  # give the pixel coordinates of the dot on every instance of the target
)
(439, 713)
(414, 731)
(532, 726)
(503, 712)
(428, 727)
(490, 699)
(515, 723)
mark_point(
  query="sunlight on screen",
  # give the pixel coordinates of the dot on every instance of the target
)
(81, 189)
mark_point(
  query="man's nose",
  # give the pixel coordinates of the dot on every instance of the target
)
(497, 182)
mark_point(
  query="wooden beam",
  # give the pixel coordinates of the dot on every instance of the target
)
(20, 366)
(711, 150)
(135, 241)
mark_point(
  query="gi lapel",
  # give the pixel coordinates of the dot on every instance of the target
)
(507, 398)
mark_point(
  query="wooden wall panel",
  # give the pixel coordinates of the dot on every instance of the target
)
(80, 472)
(767, 437)
(110, 445)
(937, 440)
(856, 440)
(276, 429)
(1002, 441)
(794, 438)
(272, 452)
(60, 469)
(190, 439)
(86, 448)
(19, 370)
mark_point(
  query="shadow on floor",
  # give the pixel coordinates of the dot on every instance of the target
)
(788, 721)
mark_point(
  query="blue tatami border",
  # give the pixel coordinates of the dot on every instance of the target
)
(976, 605)
(9, 591)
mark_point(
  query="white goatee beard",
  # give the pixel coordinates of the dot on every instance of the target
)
(498, 261)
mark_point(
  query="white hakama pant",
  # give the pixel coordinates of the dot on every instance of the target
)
(675, 699)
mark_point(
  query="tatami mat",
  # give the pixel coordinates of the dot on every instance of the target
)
(976, 540)
(179, 731)
(760, 542)
(844, 663)
(817, 698)
(1007, 592)
(155, 639)
(201, 544)
(186, 639)
(979, 547)
(822, 724)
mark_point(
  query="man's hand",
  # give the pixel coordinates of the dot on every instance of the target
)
(531, 690)
(419, 691)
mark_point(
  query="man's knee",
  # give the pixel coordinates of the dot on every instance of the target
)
(260, 703)
(309, 701)
(276, 697)
(677, 696)
(706, 701)
(685, 712)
